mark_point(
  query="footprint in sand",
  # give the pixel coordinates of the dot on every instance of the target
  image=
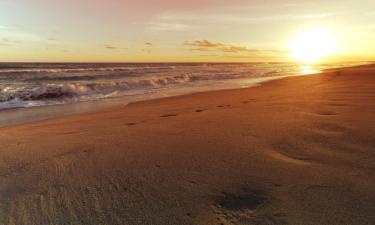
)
(200, 110)
(169, 115)
(248, 101)
(338, 99)
(247, 206)
(249, 200)
(326, 113)
(337, 104)
(288, 159)
(222, 106)
(329, 127)
(135, 123)
(131, 124)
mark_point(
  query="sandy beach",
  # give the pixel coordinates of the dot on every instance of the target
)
(298, 150)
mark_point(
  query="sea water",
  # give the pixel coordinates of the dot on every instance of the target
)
(86, 86)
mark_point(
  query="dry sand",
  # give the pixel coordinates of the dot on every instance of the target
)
(299, 150)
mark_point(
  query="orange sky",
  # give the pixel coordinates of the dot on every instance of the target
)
(176, 30)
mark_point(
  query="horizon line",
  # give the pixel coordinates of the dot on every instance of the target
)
(182, 62)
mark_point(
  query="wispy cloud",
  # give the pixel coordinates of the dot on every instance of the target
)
(113, 47)
(166, 26)
(149, 47)
(146, 50)
(16, 34)
(370, 13)
(209, 55)
(56, 30)
(4, 44)
(313, 16)
(8, 42)
(230, 18)
(205, 45)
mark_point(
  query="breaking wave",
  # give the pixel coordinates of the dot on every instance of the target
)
(26, 85)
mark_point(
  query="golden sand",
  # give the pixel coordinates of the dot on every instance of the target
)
(299, 150)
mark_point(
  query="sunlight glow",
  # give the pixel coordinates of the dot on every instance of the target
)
(309, 70)
(313, 45)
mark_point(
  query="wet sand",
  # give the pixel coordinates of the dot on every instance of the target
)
(299, 150)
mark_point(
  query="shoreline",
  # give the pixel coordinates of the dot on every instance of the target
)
(297, 150)
(63, 110)
(21, 115)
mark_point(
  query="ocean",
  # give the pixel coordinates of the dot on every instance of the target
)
(28, 85)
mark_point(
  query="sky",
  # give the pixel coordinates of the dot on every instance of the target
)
(179, 30)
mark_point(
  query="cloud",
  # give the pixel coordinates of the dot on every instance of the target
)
(231, 50)
(239, 18)
(313, 16)
(166, 26)
(17, 35)
(56, 30)
(147, 50)
(235, 49)
(113, 47)
(149, 47)
(209, 55)
(205, 45)
(369, 14)
(8, 42)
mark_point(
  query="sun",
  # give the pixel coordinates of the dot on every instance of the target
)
(313, 45)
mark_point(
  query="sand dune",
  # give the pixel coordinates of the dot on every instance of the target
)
(298, 150)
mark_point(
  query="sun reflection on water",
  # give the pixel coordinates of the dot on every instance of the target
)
(306, 70)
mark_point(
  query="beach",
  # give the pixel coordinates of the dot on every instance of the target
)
(297, 150)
